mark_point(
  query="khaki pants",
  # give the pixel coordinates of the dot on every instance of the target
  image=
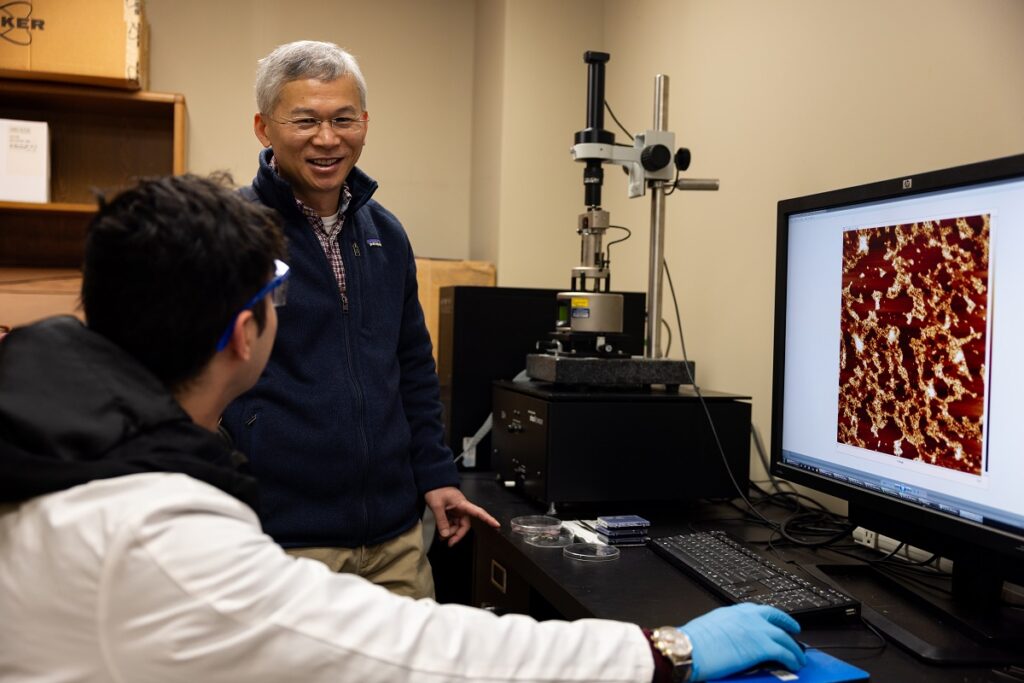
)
(400, 564)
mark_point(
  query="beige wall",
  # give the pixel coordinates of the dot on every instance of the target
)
(417, 58)
(485, 144)
(544, 104)
(777, 100)
(530, 92)
(474, 104)
(793, 97)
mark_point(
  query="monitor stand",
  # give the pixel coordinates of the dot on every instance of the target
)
(927, 622)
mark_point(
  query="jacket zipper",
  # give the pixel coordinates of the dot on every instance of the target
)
(344, 295)
(358, 392)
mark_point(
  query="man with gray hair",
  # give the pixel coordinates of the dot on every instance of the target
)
(343, 430)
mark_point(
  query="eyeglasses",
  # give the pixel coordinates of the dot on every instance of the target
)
(308, 126)
(276, 288)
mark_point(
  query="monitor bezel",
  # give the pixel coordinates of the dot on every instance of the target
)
(935, 531)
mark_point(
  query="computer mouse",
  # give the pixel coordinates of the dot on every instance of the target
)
(773, 666)
(770, 667)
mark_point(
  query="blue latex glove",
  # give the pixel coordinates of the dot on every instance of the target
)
(731, 639)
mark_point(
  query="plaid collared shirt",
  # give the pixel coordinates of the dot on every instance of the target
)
(330, 240)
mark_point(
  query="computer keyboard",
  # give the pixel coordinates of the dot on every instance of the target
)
(738, 574)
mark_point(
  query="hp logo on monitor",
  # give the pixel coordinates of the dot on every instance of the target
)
(908, 183)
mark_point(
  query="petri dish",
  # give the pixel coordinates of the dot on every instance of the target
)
(536, 525)
(591, 552)
(562, 539)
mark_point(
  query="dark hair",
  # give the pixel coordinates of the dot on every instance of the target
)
(169, 262)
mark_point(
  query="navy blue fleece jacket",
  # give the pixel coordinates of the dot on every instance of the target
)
(343, 430)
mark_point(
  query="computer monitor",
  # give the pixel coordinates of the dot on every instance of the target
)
(898, 379)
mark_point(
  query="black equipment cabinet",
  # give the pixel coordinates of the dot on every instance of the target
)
(582, 446)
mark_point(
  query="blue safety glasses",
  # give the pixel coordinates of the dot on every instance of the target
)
(276, 288)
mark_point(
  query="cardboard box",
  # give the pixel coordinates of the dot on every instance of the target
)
(433, 274)
(100, 42)
(24, 161)
(31, 294)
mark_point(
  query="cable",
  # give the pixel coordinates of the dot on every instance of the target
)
(631, 137)
(792, 497)
(899, 569)
(475, 440)
(792, 500)
(673, 188)
(762, 453)
(703, 403)
(487, 425)
(608, 247)
(934, 559)
(616, 119)
(668, 347)
(755, 434)
(783, 529)
(682, 344)
(629, 233)
(891, 554)
(789, 529)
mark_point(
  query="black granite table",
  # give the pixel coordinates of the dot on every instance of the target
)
(510, 575)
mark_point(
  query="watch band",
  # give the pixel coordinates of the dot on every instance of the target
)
(676, 647)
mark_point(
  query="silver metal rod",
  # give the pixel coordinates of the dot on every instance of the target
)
(697, 184)
(661, 102)
(652, 348)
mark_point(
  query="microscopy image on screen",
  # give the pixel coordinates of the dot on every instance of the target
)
(912, 370)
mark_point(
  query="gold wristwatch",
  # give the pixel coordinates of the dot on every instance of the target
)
(676, 647)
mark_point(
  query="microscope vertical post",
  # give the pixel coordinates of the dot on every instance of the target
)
(657, 255)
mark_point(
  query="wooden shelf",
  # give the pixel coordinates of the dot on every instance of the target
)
(100, 141)
(51, 207)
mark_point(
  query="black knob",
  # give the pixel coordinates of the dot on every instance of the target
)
(655, 157)
(682, 159)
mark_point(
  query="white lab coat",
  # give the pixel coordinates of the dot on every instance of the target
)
(160, 577)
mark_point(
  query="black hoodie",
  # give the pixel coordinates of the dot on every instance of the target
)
(75, 407)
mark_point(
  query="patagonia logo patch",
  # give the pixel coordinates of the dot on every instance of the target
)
(373, 243)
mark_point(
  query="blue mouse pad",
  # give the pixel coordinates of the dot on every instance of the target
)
(820, 668)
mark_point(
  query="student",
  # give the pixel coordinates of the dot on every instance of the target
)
(344, 430)
(129, 548)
